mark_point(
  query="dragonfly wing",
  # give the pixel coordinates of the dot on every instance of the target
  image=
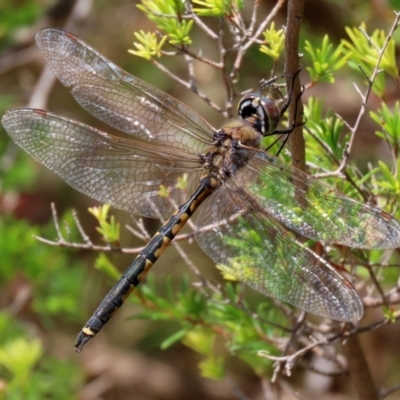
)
(121, 100)
(314, 210)
(124, 173)
(236, 233)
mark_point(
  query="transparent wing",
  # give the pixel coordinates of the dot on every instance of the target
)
(313, 209)
(118, 98)
(235, 232)
(124, 173)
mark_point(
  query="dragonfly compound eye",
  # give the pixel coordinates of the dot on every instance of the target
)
(260, 111)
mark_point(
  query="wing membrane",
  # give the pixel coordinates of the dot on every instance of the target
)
(118, 98)
(237, 234)
(313, 209)
(126, 174)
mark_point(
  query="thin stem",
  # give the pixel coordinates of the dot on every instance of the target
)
(359, 370)
(188, 85)
(365, 97)
(293, 25)
(242, 49)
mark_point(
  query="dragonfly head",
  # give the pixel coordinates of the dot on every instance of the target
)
(260, 112)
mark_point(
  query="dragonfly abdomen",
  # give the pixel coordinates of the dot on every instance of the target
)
(142, 263)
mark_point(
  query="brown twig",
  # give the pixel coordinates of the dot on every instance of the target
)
(293, 24)
(359, 370)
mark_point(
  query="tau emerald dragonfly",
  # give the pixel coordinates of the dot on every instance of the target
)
(235, 191)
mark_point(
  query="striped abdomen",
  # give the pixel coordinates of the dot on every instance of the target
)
(142, 263)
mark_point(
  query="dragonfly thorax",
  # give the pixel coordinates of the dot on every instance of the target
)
(260, 112)
(234, 144)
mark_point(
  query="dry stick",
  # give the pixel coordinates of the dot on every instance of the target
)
(293, 24)
(291, 360)
(359, 370)
(279, 365)
(187, 85)
(296, 140)
(253, 39)
(294, 17)
(386, 392)
(390, 299)
(227, 82)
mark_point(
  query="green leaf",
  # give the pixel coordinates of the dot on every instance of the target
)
(218, 8)
(166, 14)
(389, 120)
(326, 60)
(176, 337)
(103, 263)
(200, 340)
(180, 35)
(110, 230)
(364, 53)
(213, 367)
(389, 183)
(149, 45)
(274, 42)
(327, 131)
(20, 356)
(390, 314)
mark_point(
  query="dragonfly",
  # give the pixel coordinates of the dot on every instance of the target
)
(246, 205)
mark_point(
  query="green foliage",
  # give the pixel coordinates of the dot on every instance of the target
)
(29, 374)
(55, 282)
(365, 52)
(274, 42)
(326, 60)
(109, 229)
(217, 8)
(326, 133)
(389, 120)
(390, 314)
(386, 181)
(21, 176)
(213, 367)
(103, 263)
(166, 14)
(19, 357)
(386, 178)
(149, 45)
(203, 315)
(25, 370)
(15, 16)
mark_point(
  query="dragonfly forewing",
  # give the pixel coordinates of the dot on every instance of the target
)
(119, 99)
(126, 174)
